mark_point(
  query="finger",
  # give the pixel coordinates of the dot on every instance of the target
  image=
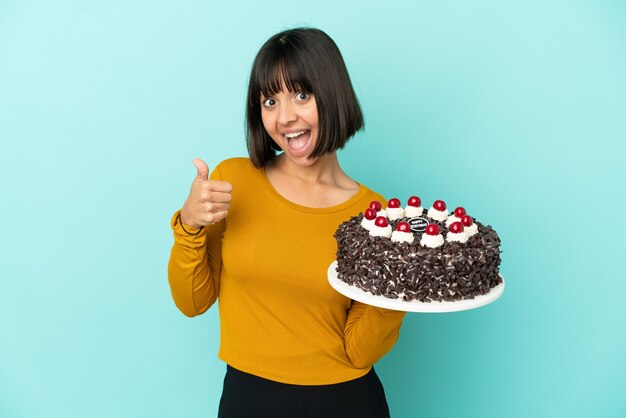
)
(215, 207)
(220, 186)
(218, 197)
(220, 215)
(203, 169)
(216, 217)
(208, 195)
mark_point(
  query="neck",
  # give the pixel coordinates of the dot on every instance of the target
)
(324, 169)
(319, 184)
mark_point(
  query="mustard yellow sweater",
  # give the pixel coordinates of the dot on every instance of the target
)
(266, 265)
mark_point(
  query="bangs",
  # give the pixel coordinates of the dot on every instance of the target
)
(282, 68)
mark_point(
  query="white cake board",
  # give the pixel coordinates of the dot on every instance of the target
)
(357, 294)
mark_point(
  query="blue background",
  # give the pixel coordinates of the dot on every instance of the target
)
(515, 110)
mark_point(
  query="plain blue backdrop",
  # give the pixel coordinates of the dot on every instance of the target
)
(515, 110)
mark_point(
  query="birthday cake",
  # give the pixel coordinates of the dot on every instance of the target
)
(411, 254)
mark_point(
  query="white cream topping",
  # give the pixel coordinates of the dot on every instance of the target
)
(381, 212)
(399, 236)
(431, 241)
(452, 219)
(394, 213)
(471, 230)
(459, 237)
(378, 231)
(438, 215)
(367, 223)
(413, 211)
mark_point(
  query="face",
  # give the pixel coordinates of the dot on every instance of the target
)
(290, 118)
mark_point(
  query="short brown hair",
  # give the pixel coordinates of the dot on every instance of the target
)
(305, 59)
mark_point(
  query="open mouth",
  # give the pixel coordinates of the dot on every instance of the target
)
(298, 140)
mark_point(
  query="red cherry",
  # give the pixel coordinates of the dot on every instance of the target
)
(375, 205)
(439, 205)
(370, 214)
(456, 227)
(415, 201)
(459, 212)
(467, 220)
(394, 203)
(381, 221)
(403, 227)
(432, 229)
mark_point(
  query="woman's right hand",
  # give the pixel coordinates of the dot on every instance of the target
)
(208, 200)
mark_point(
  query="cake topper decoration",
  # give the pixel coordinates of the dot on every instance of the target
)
(403, 233)
(415, 201)
(418, 224)
(456, 216)
(381, 228)
(375, 204)
(456, 227)
(414, 207)
(432, 238)
(470, 227)
(394, 210)
(403, 227)
(381, 222)
(368, 218)
(457, 233)
(438, 211)
(432, 229)
(370, 214)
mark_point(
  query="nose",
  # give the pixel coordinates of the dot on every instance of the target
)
(286, 113)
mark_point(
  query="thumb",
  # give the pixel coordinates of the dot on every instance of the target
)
(203, 169)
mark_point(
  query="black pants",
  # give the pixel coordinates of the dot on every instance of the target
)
(249, 396)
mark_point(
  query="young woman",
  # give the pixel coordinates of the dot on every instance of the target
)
(257, 236)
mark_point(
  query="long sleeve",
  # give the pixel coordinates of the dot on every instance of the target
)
(267, 265)
(194, 266)
(370, 333)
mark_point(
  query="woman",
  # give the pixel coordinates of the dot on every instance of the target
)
(257, 236)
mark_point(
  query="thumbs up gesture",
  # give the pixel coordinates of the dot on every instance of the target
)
(208, 200)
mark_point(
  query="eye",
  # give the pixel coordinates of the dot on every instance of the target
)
(269, 102)
(302, 95)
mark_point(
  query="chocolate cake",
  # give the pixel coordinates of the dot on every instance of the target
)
(402, 253)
